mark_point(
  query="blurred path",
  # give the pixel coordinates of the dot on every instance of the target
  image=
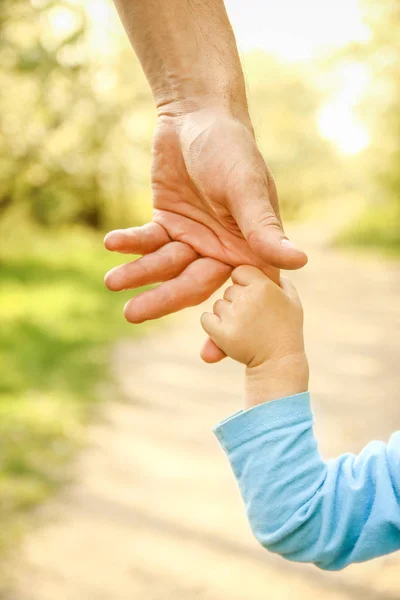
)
(155, 514)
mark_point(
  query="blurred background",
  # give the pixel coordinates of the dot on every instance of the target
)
(76, 119)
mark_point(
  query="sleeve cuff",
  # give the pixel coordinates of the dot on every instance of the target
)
(242, 426)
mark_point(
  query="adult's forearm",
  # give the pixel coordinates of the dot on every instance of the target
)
(188, 52)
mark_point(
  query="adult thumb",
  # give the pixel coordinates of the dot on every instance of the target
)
(210, 352)
(257, 215)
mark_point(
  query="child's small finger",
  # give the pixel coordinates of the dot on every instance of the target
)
(232, 292)
(220, 307)
(246, 274)
(210, 323)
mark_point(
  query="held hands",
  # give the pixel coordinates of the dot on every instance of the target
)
(215, 207)
(260, 324)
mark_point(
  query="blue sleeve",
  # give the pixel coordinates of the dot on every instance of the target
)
(328, 513)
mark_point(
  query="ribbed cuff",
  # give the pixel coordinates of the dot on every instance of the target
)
(242, 426)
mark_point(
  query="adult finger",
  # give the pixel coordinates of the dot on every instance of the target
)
(252, 208)
(197, 282)
(210, 352)
(137, 240)
(163, 264)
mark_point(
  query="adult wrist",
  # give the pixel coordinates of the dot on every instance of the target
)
(188, 52)
(176, 103)
(182, 93)
(274, 379)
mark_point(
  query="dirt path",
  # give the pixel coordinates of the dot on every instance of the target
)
(155, 513)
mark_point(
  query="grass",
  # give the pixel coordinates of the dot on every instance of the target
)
(375, 229)
(57, 321)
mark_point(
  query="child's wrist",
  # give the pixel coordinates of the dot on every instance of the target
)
(276, 378)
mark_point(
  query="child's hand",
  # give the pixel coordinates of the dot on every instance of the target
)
(260, 325)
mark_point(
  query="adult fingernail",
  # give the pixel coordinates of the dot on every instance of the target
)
(287, 244)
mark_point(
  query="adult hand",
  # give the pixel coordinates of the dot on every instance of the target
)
(215, 208)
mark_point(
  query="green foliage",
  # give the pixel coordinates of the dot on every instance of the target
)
(57, 321)
(380, 165)
(284, 102)
(375, 228)
(66, 154)
(75, 133)
(76, 122)
(381, 107)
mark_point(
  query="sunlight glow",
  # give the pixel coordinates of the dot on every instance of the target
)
(106, 32)
(293, 31)
(337, 120)
(305, 31)
(337, 124)
(105, 35)
(62, 21)
(296, 31)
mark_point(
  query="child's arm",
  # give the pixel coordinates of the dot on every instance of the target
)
(328, 513)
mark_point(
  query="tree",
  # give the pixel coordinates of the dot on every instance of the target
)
(65, 156)
(284, 102)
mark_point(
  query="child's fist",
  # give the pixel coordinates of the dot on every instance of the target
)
(260, 324)
(256, 321)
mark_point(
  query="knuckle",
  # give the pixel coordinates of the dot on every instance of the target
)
(268, 218)
(217, 304)
(233, 335)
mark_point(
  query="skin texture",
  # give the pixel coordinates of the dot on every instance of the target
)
(260, 324)
(215, 201)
